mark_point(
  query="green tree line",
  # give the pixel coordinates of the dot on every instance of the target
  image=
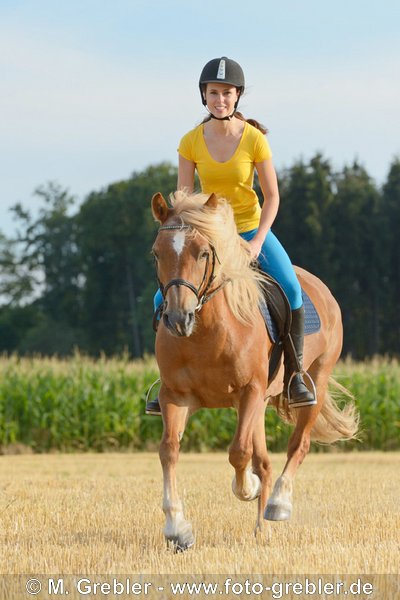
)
(82, 276)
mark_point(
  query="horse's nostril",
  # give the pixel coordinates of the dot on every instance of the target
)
(179, 323)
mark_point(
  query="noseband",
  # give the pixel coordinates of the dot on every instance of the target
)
(202, 293)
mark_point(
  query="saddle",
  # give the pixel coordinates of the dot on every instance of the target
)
(277, 316)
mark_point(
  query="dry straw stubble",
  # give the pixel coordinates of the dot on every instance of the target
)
(87, 513)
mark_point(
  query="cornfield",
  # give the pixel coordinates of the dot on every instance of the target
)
(81, 404)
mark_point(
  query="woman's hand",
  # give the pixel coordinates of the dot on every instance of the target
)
(255, 247)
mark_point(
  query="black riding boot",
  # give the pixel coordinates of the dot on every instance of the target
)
(298, 394)
(153, 407)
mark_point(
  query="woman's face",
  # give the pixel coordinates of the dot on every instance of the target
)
(221, 99)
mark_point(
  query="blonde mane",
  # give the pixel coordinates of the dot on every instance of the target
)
(244, 293)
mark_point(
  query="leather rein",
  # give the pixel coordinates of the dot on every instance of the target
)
(202, 293)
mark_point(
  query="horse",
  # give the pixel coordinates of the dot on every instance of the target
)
(213, 350)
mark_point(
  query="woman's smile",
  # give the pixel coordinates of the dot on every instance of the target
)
(221, 98)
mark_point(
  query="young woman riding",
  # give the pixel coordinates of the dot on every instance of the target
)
(225, 150)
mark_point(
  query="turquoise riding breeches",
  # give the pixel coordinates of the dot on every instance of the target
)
(275, 261)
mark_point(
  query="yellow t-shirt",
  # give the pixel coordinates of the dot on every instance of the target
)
(232, 179)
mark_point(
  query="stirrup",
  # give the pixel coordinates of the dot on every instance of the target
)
(299, 404)
(156, 382)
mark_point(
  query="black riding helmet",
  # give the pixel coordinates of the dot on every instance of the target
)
(222, 70)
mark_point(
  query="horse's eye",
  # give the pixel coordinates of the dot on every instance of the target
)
(204, 254)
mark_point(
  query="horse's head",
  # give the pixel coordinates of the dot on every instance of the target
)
(185, 263)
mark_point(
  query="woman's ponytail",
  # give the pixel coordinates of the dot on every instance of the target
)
(253, 122)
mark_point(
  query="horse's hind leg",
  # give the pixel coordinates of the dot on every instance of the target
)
(177, 531)
(279, 507)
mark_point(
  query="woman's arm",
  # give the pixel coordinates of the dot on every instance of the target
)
(269, 187)
(186, 170)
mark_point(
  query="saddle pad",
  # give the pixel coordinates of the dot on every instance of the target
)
(312, 322)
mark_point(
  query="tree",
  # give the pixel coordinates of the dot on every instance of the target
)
(15, 322)
(41, 267)
(356, 261)
(86, 279)
(391, 252)
(16, 282)
(303, 222)
(115, 234)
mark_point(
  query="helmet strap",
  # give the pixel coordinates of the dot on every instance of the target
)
(228, 118)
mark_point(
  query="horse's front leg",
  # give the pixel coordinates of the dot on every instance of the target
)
(261, 467)
(246, 485)
(177, 531)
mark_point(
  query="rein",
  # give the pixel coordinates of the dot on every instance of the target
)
(203, 296)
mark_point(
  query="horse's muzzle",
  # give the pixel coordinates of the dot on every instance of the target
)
(179, 323)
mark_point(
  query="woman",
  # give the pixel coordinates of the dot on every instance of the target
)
(225, 150)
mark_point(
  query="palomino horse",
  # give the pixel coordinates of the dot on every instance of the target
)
(212, 349)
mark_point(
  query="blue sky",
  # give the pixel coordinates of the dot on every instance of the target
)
(94, 90)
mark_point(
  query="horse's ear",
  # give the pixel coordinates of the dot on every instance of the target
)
(212, 202)
(159, 207)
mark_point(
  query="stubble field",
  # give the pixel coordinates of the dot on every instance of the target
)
(101, 513)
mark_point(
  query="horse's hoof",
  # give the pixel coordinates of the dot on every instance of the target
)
(276, 512)
(253, 487)
(178, 547)
(180, 544)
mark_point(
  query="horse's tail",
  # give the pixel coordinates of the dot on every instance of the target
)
(333, 423)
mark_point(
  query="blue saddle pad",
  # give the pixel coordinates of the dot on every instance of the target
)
(312, 322)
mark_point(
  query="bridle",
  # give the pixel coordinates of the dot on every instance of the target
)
(202, 293)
